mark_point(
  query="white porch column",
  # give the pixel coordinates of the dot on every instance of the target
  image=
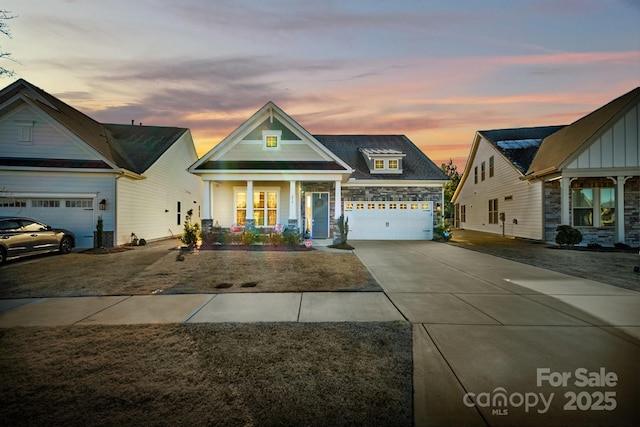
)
(249, 221)
(620, 208)
(338, 201)
(565, 214)
(293, 201)
(206, 201)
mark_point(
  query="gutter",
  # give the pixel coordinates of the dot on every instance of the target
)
(538, 174)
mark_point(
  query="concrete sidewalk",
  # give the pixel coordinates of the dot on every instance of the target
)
(200, 308)
(489, 333)
(492, 337)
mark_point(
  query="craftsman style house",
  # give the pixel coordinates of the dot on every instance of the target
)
(526, 182)
(63, 168)
(271, 173)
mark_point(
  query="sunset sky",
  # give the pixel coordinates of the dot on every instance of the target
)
(436, 71)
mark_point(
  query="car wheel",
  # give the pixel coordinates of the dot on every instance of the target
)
(66, 245)
(3, 256)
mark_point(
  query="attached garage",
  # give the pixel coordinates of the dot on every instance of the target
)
(75, 213)
(403, 220)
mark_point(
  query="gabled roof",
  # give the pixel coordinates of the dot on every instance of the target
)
(269, 117)
(519, 145)
(134, 148)
(560, 146)
(416, 165)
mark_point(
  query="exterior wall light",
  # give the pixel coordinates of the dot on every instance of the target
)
(102, 205)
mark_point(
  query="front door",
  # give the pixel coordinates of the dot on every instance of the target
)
(320, 215)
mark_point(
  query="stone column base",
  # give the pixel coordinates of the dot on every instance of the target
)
(292, 226)
(207, 225)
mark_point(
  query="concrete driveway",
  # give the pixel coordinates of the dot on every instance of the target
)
(502, 343)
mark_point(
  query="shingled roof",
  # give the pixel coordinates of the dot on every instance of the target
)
(416, 165)
(558, 147)
(519, 145)
(134, 148)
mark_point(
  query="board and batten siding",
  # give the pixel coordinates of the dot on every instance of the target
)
(50, 140)
(617, 147)
(148, 207)
(288, 151)
(519, 200)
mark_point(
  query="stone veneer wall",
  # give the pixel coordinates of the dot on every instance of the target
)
(552, 203)
(632, 211)
(601, 235)
(390, 194)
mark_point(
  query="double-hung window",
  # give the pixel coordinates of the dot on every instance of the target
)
(493, 211)
(482, 169)
(593, 207)
(491, 166)
(265, 207)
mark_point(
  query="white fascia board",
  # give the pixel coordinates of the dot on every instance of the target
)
(39, 169)
(282, 176)
(394, 183)
(43, 195)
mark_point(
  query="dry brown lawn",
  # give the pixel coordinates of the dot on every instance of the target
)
(161, 268)
(613, 268)
(207, 374)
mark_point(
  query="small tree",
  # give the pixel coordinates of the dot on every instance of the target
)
(450, 187)
(568, 236)
(191, 231)
(99, 232)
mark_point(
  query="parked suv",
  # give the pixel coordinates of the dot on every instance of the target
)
(23, 236)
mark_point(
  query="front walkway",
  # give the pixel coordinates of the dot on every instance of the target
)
(507, 333)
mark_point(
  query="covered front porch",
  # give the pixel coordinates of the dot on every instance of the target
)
(307, 206)
(606, 209)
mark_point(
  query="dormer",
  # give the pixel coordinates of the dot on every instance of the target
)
(383, 160)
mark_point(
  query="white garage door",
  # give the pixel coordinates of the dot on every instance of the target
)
(75, 215)
(390, 220)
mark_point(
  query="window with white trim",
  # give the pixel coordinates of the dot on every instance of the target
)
(25, 131)
(393, 164)
(271, 139)
(378, 164)
(265, 207)
(593, 207)
(493, 211)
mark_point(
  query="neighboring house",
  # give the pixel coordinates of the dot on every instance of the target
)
(590, 171)
(271, 172)
(586, 175)
(61, 167)
(491, 196)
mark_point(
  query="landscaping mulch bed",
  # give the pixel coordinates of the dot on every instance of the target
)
(255, 248)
